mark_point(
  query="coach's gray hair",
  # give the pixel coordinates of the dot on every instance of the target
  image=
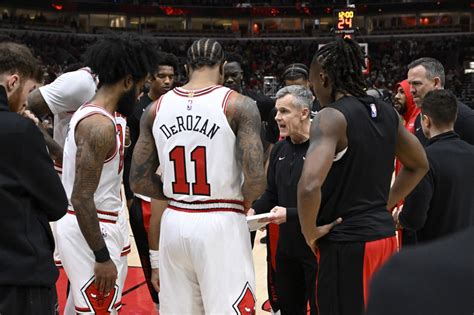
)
(302, 96)
(433, 67)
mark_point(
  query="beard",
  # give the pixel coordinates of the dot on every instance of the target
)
(14, 101)
(127, 102)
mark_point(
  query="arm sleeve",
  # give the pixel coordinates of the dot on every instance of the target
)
(38, 176)
(269, 199)
(417, 204)
(69, 91)
(292, 215)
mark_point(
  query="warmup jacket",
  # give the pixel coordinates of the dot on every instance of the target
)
(31, 195)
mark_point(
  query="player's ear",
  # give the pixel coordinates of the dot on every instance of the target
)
(186, 69)
(304, 113)
(12, 83)
(128, 82)
(324, 79)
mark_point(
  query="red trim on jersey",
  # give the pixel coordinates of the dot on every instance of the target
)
(118, 115)
(100, 219)
(113, 214)
(126, 250)
(196, 93)
(226, 100)
(238, 202)
(103, 109)
(118, 305)
(58, 263)
(82, 309)
(158, 104)
(206, 210)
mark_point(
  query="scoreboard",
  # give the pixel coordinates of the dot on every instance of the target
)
(345, 22)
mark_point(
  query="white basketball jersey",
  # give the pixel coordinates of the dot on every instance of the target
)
(107, 197)
(196, 148)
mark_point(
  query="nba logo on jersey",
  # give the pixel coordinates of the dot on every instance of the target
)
(190, 105)
(373, 110)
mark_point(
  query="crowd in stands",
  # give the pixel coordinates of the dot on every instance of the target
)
(388, 58)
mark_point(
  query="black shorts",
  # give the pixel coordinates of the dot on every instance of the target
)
(345, 270)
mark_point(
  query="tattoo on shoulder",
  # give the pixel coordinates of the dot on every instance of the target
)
(249, 151)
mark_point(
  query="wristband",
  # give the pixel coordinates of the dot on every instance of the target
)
(102, 255)
(154, 259)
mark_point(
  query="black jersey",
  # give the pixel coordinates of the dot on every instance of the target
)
(358, 184)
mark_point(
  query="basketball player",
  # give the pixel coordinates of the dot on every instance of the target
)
(61, 98)
(343, 192)
(90, 236)
(205, 139)
(140, 208)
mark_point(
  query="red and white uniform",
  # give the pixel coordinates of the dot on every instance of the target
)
(206, 261)
(78, 259)
(63, 97)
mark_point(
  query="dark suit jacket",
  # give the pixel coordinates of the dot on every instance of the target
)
(464, 125)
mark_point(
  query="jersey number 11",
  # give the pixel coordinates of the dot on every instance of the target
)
(181, 185)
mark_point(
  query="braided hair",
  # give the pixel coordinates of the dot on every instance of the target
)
(343, 61)
(114, 58)
(205, 52)
(296, 71)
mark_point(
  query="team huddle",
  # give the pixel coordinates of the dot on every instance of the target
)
(194, 165)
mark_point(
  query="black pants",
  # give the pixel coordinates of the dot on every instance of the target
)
(295, 283)
(139, 221)
(16, 300)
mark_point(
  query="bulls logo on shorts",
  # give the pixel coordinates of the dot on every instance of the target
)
(100, 304)
(245, 304)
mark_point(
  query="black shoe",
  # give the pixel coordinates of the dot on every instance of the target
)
(263, 240)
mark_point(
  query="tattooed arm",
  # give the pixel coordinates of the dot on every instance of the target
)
(95, 138)
(54, 149)
(328, 136)
(143, 178)
(245, 121)
(37, 105)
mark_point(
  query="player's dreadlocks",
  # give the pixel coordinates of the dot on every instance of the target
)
(343, 61)
(114, 58)
(205, 52)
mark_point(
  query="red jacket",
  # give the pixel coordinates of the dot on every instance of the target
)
(410, 115)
